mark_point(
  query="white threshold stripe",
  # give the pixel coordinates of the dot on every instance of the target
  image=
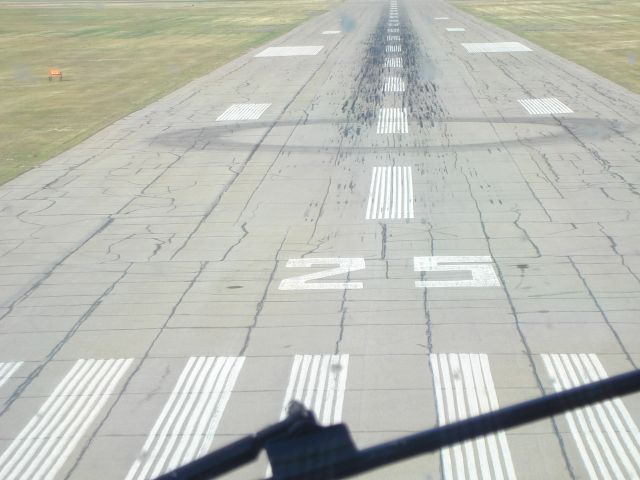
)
(606, 436)
(190, 417)
(497, 47)
(243, 111)
(390, 193)
(393, 48)
(394, 84)
(290, 51)
(319, 382)
(393, 38)
(464, 387)
(7, 370)
(392, 120)
(544, 106)
(42, 447)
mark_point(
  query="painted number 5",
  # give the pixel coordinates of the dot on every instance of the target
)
(482, 272)
(345, 265)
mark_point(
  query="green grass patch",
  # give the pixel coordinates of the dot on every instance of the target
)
(115, 57)
(603, 36)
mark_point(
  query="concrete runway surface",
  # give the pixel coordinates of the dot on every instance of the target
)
(407, 219)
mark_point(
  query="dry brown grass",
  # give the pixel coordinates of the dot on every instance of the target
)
(603, 36)
(116, 57)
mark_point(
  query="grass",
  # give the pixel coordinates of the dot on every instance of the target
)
(603, 36)
(115, 57)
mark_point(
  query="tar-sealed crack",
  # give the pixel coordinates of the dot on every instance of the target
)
(521, 334)
(265, 292)
(161, 330)
(58, 346)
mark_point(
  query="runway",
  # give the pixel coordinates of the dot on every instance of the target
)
(396, 213)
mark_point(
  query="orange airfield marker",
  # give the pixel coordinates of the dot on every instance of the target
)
(54, 72)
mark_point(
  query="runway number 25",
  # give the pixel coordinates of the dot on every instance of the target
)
(480, 268)
(482, 273)
(344, 265)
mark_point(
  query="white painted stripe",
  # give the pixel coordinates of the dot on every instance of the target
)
(393, 48)
(44, 444)
(441, 18)
(498, 47)
(7, 370)
(606, 436)
(187, 424)
(464, 387)
(319, 382)
(290, 51)
(455, 29)
(393, 38)
(482, 272)
(393, 62)
(243, 111)
(383, 187)
(544, 106)
(392, 120)
(389, 196)
(409, 197)
(331, 32)
(393, 30)
(394, 84)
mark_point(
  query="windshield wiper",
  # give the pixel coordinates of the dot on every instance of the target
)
(299, 448)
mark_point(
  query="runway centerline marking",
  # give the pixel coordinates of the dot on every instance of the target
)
(455, 29)
(390, 193)
(544, 106)
(393, 84)
(392, 120)
(302, 282)
(7, 369)
(464, 388)
(441, 18)
(290, 51)
(496, 47)
(243, 111)
(393, 62)
(480, 268)
(331, 32)
(44, 444)
(190, 417)
(607, 438)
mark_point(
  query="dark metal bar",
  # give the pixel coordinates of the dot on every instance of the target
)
(444, 436)
(309, 462)
(244, 450)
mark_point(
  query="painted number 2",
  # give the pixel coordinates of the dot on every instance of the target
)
(302, 282)
(482, 273)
